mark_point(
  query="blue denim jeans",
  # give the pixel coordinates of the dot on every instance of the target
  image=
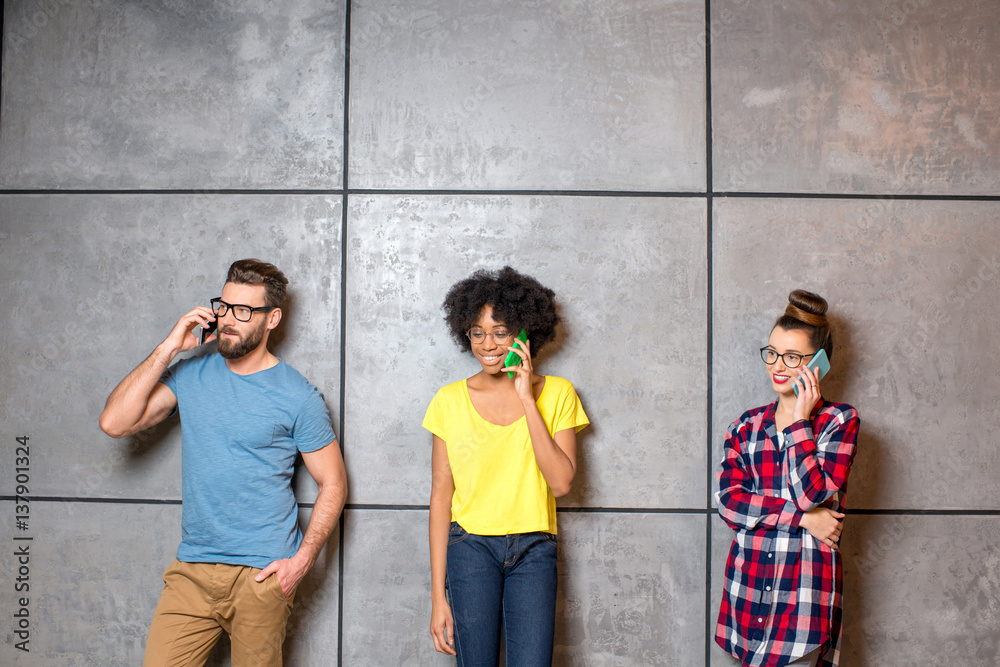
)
(502, 582)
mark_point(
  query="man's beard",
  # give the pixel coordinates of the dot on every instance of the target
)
(242, 346)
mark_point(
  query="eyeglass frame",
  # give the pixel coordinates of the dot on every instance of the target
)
(231, 306)
(768, 348)
(491, 334)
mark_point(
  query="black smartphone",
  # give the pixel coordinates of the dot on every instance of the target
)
(209, 330)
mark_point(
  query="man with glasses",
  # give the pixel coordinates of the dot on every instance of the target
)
(245, 417)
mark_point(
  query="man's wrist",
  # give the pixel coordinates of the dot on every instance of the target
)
(304, 559)
(165, 352)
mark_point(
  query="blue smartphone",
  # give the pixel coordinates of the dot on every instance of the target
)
(819, 364)
(513, 358)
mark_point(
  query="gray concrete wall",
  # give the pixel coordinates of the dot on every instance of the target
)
(850, 148)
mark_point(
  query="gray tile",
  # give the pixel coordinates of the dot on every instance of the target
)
(921, 590)
(191, 95)
(387, 583)
(630, 283)
(96, 575)
(80, 314)
(911, 288)
(563, 95)
(631, 589)
(94, 579)
(880, 97)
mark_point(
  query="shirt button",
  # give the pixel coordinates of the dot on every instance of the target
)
(760, 620)
(768, 588)
(769, 555)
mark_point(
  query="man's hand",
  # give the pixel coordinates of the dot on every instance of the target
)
(326, 465)
(140, 400)
(181, 338)
(289, 572)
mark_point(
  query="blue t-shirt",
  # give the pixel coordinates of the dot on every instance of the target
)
(239, 438)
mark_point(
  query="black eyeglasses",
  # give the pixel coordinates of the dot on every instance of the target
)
(791, 359)
(241, 312)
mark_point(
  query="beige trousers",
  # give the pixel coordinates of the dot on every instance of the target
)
(200, 601)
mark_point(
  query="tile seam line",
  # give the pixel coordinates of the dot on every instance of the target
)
(344, 221)
(361, 191)
(644, 194)
(566, 510)
(709, 329)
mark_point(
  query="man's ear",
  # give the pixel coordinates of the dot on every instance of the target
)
(273, 318)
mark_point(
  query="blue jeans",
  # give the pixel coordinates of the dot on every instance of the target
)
(503, 582)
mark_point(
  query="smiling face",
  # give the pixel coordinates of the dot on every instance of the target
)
(782, 341)
(238, 339)
(490, 353)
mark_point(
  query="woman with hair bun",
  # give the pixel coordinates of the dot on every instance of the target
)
(782, 483)
(504, 446)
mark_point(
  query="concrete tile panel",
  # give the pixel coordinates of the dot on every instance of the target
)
(631, 589)
(95, 576)
(847, 97)
(81, 313)
(190, 95)
(630, 283)
(387, 584)
(524, 95)
(918, 590)
(911, 289)
(628, 593)
(921, 590)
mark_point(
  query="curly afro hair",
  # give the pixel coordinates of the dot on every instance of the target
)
(519, 301)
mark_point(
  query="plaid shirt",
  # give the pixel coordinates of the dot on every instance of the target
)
(783, 587)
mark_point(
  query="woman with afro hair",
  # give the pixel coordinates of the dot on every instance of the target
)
(504, 447)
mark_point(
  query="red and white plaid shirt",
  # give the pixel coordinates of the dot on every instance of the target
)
(783, 587)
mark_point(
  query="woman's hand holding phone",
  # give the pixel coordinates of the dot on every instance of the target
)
(522, 371)
(512, 356)
(809, 394)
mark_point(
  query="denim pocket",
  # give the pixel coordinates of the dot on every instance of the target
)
(456, 534)
(551, 538)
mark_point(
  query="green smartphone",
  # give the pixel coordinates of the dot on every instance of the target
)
(819, 364)
(513, 358)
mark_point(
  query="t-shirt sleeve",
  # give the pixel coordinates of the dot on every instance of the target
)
(569, 411)
(434, 419)
(313, 429)
(170, 378)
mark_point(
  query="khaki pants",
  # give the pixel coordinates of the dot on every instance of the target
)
(201, 600)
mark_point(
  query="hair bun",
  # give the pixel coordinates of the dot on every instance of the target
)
(807, 307)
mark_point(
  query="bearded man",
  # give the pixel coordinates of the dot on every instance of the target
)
(245, 417)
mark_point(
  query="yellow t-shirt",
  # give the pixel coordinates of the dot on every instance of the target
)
(499, 489)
